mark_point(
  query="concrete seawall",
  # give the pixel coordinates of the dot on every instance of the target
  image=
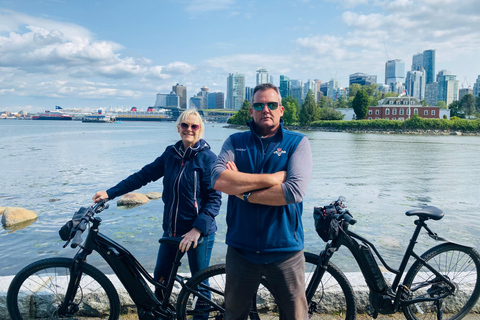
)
(356, 279)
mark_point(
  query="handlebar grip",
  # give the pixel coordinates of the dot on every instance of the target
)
(77, 239)
(349, 218)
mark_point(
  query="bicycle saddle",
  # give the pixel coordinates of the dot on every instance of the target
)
(428, 212)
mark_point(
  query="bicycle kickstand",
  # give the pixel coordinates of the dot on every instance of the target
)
(439, 304)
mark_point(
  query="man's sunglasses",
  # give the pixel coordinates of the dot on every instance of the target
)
(259, 105)
(185, 126)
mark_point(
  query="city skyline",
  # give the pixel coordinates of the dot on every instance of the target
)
(93, 54)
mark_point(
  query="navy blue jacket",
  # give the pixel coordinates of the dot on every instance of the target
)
(188, 194)
(260, 228)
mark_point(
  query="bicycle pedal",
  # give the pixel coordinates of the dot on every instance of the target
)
(372, 313)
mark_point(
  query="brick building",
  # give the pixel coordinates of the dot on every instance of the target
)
(402, 108)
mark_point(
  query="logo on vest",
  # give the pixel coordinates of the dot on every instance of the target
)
(240, 149)
(279, 152)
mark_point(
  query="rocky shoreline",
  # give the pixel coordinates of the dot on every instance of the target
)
(434, 132)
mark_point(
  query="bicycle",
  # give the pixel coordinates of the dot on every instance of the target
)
(442, 284)
(55, 288)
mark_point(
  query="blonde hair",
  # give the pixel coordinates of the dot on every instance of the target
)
(187, 113)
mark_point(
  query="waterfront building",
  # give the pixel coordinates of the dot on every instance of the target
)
(318, 93)
(200, 101)
(476, 88)
(216, 100)
(181, 91)
(284, 86)
(429, 65)
(417, 62)
(362, 79)
(324, 88)
(403, 108)
(394, 74)
(309, 85)
(332, 87)
(464, 91)
(235, 91)
(172, 100)
(431, 93)
(297, 93)
(415, 84)
(447, 87)
(263, 76)
(249, 93)
(161, 100)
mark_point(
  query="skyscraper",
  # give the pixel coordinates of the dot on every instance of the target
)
(181, 91)
(362, 79)
(429, 65)
(415, 84)
(417, 62)
(262, 76)
(285, 86)
(447, 87)
(394, 73)
(476, 87)
(235, 91)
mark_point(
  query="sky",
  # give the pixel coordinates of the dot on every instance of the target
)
(116, 54)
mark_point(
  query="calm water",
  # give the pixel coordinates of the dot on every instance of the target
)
(54, 168)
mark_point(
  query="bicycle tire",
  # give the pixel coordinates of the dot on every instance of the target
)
(334, 297)
(461, 265)
(187, 301)
(38, 289)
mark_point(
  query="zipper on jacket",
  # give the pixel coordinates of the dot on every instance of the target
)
(195, 190)
(176, 191)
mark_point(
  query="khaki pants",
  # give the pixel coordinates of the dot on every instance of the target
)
(286, 279)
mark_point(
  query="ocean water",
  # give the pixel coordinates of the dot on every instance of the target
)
(54, 168)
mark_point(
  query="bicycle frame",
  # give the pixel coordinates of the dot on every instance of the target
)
(129, 271)
(349, 239)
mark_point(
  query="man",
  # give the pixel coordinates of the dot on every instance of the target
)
(265, 172)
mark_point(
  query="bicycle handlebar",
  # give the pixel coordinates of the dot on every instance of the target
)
(80, 222)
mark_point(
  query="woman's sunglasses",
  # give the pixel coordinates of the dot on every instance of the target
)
(185, 126)
(259, 105)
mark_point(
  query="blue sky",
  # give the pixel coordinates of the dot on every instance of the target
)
(98, 54)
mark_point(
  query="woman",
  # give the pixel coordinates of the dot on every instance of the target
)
(191, 203)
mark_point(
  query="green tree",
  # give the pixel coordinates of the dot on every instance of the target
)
(341, 102)
(330, 114)
(310, 111)
(423, 103)
(441, 104)
(353, 89)
(455, 109)
(242, 115)
(467, 103)
(372, 90)
(290, 115)
(360, 104)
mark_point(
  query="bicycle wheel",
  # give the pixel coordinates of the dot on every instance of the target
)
(334, 298)
(38, 290)
(459, 264)
(211, 283)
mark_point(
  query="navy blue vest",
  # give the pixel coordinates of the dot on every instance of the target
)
(260, 228)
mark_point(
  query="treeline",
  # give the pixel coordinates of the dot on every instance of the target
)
(414, 123)
(359, 99)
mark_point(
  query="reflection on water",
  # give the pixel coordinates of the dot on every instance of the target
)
(381, 176)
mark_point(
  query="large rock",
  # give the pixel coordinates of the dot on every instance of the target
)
(13, 215)
(153, 195)
(132, 199)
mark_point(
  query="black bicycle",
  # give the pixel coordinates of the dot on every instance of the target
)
(57, 288)
(441, 284)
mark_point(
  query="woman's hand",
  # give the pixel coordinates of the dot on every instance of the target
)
(99, 196)
(189, 238)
